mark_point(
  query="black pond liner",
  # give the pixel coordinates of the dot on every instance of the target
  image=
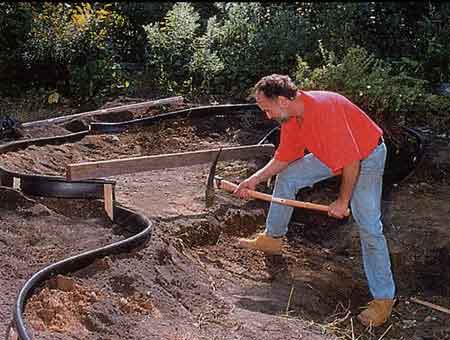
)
(137, 224)
(57, 186)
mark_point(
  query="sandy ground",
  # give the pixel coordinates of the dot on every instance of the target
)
(191, 281)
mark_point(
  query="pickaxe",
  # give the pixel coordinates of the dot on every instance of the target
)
(214, 180)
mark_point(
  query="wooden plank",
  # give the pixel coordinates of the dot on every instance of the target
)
(100, 169)
(109, 200)
(171, 100)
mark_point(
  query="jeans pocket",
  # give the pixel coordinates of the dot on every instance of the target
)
(374, 163)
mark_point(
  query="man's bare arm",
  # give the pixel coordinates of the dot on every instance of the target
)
(272, 168)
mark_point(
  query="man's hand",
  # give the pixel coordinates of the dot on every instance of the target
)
(249, 183)
(338, 209)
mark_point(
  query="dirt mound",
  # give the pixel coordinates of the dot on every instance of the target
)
(33, 235)
(65, 306)
(166, 137)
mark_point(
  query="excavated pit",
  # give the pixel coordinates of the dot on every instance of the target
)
(191, 281)
(189, 268)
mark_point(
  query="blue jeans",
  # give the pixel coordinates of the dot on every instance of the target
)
(365, 207)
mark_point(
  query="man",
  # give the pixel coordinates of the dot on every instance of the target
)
(342, 140)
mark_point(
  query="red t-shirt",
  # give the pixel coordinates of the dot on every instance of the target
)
(334, 129)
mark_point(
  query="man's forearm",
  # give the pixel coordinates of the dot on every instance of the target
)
(350, 175)
(270, 169)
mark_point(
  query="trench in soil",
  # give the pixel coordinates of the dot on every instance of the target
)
(191, 276)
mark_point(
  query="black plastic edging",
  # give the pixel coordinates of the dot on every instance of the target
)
(57, 186)
(23, 144)
(82, 260)
(420, 152)
(50, 186)
(191, 112)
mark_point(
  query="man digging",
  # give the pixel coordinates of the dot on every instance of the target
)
(342, 140)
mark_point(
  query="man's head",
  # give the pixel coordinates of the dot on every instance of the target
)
(274, 95)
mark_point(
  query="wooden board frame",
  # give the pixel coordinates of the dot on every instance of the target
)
(106, 168)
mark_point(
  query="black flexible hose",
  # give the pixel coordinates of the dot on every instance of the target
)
(270, 135)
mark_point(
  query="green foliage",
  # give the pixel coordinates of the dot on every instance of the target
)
(170, 48)
(223, 48)
(15, 23)
(335, 24)
(205, 64)
(143, 13)
(389, 97)
(433, 43)
(434, 111)
(246, 42)
(252, 40)
(78, 39)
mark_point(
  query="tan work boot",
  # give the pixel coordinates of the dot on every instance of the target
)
(262, 242)
(377, 312)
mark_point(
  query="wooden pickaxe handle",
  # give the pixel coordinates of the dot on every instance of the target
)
(231, 187)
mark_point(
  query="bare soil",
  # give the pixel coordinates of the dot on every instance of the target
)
(191, 281)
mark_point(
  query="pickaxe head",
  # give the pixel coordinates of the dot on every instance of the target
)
(210, 193)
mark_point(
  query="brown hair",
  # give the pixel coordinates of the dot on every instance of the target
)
(276, 85)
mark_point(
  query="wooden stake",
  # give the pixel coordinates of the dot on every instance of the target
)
(109, 200)
(12, 334)
(16, 183)
(431, 305)
(289, 301)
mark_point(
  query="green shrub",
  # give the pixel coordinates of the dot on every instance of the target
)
(206, 64)
(337, 25)
(77, 39)
(251, 41)
(434, 112)
(433, 45)
(390, 97)
(367, 81)
(241, 44)
(15, 23)
(170, 48)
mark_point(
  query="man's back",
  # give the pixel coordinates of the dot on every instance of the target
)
(333, 128)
